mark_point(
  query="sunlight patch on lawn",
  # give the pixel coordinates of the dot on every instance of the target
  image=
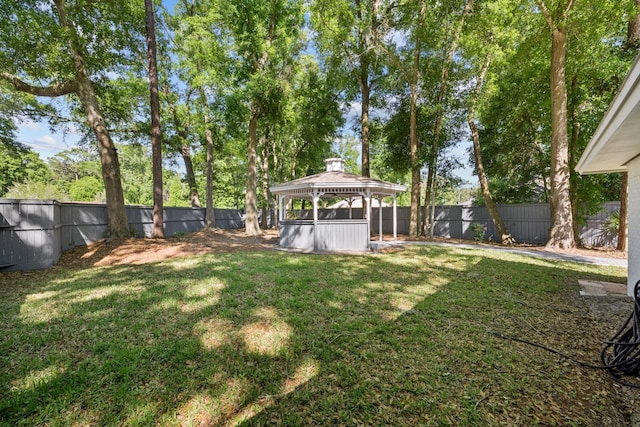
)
(393, 299)
(43, 307)
(213, 333)
(308, 369)
(203, 409)
(104, 291)
(184, 263)
(201, 295)
(141, 414)
(269, 335)
(36, 378)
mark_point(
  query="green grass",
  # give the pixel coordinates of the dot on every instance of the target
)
(277, 338)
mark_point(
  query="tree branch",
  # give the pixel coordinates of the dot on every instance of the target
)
(65, 88)
(547, 14)
(568, 9)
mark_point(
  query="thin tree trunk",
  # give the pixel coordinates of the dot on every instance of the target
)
(573, 146)
(266, 194)
(182, 129)
(156, 133)
(210, 218)
(505, 236)
(185, 151)
(622, 221)
(365, 89)
(118, 227)
(252, 227)
(442, 91)
(428, 197)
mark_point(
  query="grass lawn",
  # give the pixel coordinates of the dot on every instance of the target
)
(267, 337)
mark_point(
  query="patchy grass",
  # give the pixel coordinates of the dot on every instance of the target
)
(276, 338)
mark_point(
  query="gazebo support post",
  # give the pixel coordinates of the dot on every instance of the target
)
(395, 219)
(366, 212)
(380, 218)
(316, 197)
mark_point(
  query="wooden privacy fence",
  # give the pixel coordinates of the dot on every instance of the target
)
(528, 223)
(33, 233)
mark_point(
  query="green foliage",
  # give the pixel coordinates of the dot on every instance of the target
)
(612, 223)
(19, 164)
(478, 231)
(33, 189)
(86, 189)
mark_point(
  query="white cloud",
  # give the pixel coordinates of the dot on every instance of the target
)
(45, 141)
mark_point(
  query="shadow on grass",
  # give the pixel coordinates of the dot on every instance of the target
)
(265, 337)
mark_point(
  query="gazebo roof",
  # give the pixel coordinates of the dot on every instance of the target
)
(334, 182)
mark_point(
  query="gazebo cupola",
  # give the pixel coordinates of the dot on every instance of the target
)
(332, 235)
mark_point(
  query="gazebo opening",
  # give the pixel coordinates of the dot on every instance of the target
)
(321, 235)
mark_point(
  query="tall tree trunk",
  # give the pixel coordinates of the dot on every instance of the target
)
(505, 236)
(118, 227)
(156, 133)
(252, 227)
(561, 232)
(210, 217)
(413, 127)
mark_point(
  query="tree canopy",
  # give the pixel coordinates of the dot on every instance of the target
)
(257, 92)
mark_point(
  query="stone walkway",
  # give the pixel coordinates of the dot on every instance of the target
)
(534, 253)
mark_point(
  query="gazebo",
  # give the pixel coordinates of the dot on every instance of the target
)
(332, 234)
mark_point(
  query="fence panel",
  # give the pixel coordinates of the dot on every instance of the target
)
(33, 233)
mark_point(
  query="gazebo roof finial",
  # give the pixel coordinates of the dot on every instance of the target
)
(334, 164)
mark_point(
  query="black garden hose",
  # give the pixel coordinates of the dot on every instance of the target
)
(621, 354)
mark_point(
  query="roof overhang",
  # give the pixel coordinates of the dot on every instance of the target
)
(617, 139)
(344, 185)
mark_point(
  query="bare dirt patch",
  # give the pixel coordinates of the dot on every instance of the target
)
(142, 251)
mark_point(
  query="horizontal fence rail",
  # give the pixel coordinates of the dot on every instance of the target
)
(33, 233)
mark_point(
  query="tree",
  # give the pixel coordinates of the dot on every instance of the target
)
(64, 50)
(561, 232)
(351, 34)
(266, 39)
(505, 236)
(156, 133)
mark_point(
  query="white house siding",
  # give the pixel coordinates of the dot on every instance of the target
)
(634, 224)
